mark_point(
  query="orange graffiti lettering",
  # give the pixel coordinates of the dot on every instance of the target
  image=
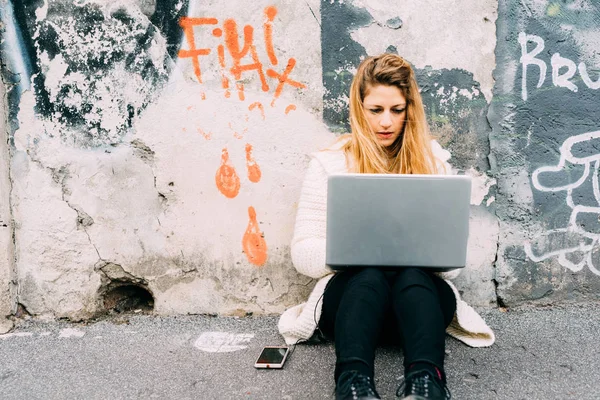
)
(253, 243)
(188, 29)
(289, 108)
(260, 107)
(270, 13)
(226, 178)
(240, 88)
(254, 173)
(242, 50)
(233, 45)
(283, 78)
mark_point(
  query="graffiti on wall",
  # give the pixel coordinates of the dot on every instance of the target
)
(579, 238)
(558, 64)
(238, 61)
(244, 56)
(558, 84)
(75, 55)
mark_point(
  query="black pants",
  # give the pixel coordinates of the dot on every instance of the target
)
(364, 307)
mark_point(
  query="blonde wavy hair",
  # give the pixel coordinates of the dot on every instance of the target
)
(411, 153)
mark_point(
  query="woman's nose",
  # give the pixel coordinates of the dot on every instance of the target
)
(385, 120)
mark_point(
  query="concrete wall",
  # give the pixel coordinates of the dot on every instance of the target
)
(7, 264)
(163, 143)
(546, 125)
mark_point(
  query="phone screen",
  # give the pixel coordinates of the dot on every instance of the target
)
(272, 355)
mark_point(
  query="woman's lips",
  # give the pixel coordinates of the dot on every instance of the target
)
(384, 135)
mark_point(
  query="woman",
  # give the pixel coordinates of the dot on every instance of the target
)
(360, 309)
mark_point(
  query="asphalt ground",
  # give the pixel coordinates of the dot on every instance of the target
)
(542, 353)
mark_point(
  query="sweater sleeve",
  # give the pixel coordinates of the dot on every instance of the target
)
(308, 243)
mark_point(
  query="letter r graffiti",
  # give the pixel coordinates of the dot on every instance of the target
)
(528, 58)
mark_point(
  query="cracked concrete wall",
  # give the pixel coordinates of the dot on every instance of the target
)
(7, 265)
(163, 143)
(545, 150)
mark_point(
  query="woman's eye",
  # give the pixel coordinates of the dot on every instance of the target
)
(375, 110)
(399, 111)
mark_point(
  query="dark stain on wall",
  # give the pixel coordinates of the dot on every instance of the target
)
(456, 110)
(340, 54)
(166, 20)
(107, 51)
(528, 132)
(22, 52)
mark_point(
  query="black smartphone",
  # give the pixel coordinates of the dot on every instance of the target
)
(272, 357)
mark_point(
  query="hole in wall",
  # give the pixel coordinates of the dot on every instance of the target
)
(128, 298)
(21, 311)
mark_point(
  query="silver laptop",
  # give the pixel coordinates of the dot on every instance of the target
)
(391, 221)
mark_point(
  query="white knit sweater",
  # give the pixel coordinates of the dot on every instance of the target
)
(308, 255)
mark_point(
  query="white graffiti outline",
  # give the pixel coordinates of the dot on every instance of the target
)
(584, 246)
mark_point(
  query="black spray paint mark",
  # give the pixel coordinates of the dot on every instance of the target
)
(340, 55)
(115, 41)
(166, 19)
(456, 111)
(20, 51)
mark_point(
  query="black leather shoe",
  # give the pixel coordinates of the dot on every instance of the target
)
(354, 386)
(421, 385)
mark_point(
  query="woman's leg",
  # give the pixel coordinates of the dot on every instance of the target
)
(424, 306)
(354, 305)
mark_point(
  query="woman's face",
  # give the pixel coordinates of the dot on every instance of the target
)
(385, 108)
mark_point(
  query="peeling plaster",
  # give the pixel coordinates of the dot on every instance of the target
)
(481, 185)
(470, 47)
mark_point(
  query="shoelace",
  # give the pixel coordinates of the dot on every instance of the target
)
(358, 385)
(420, 386)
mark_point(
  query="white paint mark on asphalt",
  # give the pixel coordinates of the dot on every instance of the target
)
(45, 334)
(69, 332)
(222, 342)
(18, 334)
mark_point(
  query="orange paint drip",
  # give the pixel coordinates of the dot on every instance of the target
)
(227, 180)
(203, 95)
(254, 243)
(289, 108)
(260, 107)
(206, 136)
(270, 13)
(254, 173)
(240, 88)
